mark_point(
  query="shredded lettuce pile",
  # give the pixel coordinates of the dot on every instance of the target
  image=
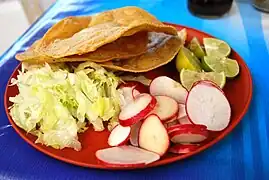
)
(55, 103)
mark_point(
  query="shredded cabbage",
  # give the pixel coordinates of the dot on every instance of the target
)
(56, 104)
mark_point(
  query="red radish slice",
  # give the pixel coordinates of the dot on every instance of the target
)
(169, 124)
(166, 86)
(183, 148)
(189, 134)
(153, 135)
(127, 95)
(135, 93)
(172, 119)
(185, 126)
(129, 90)
(126, 156)
(166, 108)
(184, 120)
(188, 137)
(136, 85)
(137, 110)
(134, 133)
(119, 135)
(206, 104)
(182, 111)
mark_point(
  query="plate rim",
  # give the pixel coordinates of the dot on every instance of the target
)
(161, 161)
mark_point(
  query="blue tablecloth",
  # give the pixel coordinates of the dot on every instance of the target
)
(241, 155)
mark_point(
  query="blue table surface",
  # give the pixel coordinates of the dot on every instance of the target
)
(243, 154)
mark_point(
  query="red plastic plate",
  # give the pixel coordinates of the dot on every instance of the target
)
(238, 92)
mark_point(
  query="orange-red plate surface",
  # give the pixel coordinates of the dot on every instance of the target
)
(238, 92)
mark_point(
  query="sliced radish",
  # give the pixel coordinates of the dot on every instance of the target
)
(166, 108)
(136, 85)
(181, 111)
(172, 119)
(185, 126)
(153, 135)
(119, 135)
(170, 123)
(129, 90)
(166, 86)
(188, 137)
(183, 148)
(206, 104)
(137, 110)
(134, 133)
(135, 93)
(126, 156)
(184, 120)
(126, 96)
(188, 133)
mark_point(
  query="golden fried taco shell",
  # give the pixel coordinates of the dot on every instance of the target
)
(124, 47)
(81, 35)
(154, 58)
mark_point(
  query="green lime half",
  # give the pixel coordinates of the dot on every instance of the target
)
(188, 78)
(196, 48)
(229, 66)
(186, 59)
(216, 47)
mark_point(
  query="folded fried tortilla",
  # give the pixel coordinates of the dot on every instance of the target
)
(162, 48)
(65, 28)
(88, 36)
(124, 47)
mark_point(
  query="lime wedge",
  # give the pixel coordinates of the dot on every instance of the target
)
(186, 59)
(229, 66)
(196, 48)
(216, 47)
(188, 78)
